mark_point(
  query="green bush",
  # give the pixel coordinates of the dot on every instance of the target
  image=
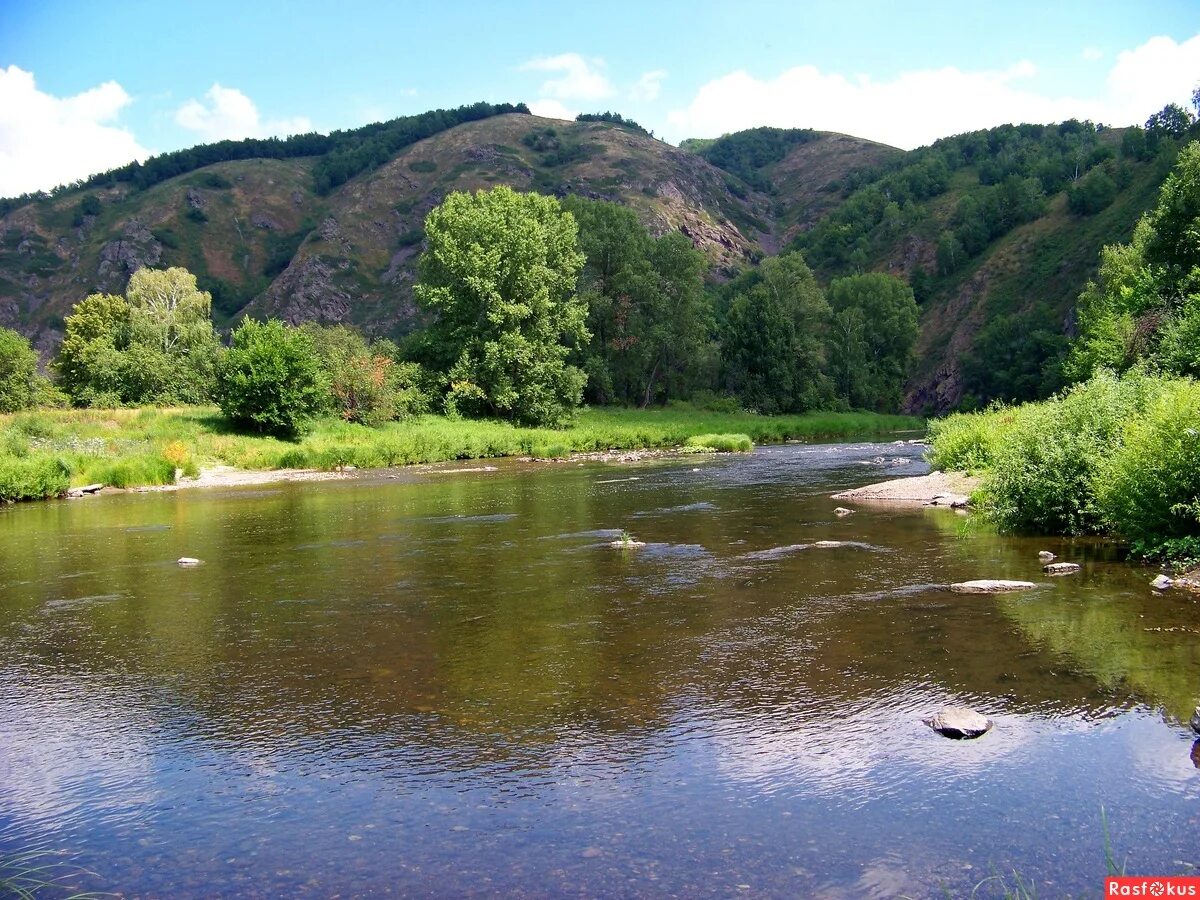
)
(32, 478)
(20, 384)
(968, 441)
(271, 379)
(723, 443)
(1046, 463)
(1149, 489)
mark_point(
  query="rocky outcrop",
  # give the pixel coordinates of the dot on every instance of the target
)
(306, 291)
(135, 249)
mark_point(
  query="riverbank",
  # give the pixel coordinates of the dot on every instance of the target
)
(935, 489)
(44, 452)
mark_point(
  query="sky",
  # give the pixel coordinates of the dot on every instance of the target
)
(85, 86)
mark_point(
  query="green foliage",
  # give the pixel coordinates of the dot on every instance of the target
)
(156, 345)
(366, 384)
(1092, 193)
(647, 312)
(773, 338)
(1149, 489)
(722, 443)
(500, 271)
(1143, 304)
(968, 441)
(32, 478)
(875, 327)
(1044, 475)
(21, 385)
(271, 379)
(136, 471)
(746, 153)
(1017, 358)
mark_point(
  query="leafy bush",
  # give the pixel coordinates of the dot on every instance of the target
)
(1047, 462)
(32, 478)
(20, 384)
(968, 441)
(723, 443)
(1149, 489)
(271, 379)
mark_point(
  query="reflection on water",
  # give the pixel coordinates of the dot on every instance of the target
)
(452, 683)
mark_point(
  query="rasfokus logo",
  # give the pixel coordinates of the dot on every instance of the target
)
(1151, 886)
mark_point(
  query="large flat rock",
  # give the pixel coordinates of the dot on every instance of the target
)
(991, 586)
(942, 488)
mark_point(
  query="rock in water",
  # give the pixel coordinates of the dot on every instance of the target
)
(188, 562)
(1161, 583)
(1046, 556)
(1061, 568)
(842, 511)
(1195, 723)
(991, 586)
(959, 722)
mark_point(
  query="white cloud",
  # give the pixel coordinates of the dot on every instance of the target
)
(230, 114)
(648, 86)
(46, 140)
(552, 109)
(918, 107)
(1091, 54)
(580, 79)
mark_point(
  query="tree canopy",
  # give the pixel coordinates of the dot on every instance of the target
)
(500, 271)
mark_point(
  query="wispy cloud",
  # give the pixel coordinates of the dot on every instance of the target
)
(647, 88)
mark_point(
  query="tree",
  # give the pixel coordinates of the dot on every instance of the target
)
(773, 340)
(155, 345)
(889, 316)
(21, 385)
(500, 270)
(271, 379)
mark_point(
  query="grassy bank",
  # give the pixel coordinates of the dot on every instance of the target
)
(45, 451)
(1112, 455)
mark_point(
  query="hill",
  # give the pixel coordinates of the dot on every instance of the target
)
(997, 231)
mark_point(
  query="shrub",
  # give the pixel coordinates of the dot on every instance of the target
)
(968, 441)
(20, 384)
(271, 379)
(1149, 490)
(724, 443)
(1046, 463)
(33, 478)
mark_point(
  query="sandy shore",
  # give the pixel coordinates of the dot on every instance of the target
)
(228, 476)
(934, 489)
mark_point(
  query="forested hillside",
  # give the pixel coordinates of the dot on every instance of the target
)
(996, 232)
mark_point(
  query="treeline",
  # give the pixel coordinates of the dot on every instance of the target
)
(614, 119)
(345, 153)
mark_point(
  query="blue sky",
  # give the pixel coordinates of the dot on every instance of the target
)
(86, 86)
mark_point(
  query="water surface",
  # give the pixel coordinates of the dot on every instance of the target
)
(424, 682)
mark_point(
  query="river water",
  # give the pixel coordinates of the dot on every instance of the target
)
(448, 683)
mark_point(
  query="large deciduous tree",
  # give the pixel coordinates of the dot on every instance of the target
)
(500, 271)
(883, 347)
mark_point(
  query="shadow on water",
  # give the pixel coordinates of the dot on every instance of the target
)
(456, 684)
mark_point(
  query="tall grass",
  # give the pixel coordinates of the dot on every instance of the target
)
(38, 874)
(133, 447)
(1118, 455)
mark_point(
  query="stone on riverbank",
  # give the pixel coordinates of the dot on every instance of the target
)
(991, 586)
(960, 723)
(920, 490)
(1161, 583)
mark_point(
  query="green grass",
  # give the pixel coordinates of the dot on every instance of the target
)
(134, 447)
(41, 873)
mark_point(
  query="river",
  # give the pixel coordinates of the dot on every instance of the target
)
(445, 682)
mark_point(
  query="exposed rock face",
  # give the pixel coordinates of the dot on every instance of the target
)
(261, 220)
(960, 723)
(1061, 568)
(991, 586)
(195, 199)
(135, 249)
(305, 291)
